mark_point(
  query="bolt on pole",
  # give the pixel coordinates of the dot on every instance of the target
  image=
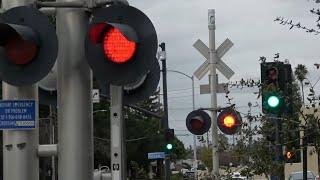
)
(20, 159)
(213, 91)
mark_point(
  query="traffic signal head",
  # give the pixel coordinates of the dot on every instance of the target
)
(169, 137)
(292, 156)
(121, 45)
(198, 122)
(289, 154)
(276, 79)
(28, 44)
(229, 121)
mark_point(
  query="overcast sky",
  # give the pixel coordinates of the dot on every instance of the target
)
(249, 24)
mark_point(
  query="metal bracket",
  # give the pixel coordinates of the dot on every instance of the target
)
(218, 108)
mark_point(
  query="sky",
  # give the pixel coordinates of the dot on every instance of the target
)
(249, 24)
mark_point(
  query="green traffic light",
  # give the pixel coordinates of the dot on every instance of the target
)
(169, 146)
(273, 101)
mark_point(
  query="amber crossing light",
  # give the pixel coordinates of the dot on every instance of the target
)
(229, 121)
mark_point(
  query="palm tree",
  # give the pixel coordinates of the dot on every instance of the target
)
(301, 72)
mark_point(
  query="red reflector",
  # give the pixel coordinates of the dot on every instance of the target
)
(95, 33)
(19, 51)
(197, 124)
(229, 121)
(116, 46)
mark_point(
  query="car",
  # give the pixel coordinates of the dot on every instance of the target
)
(189, 175)
(237, 176)
(299, 176)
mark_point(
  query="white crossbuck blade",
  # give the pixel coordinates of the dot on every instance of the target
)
(221, 66)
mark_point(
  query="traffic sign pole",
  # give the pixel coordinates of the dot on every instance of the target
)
(20, 159)
(213, 60)
(75, 125)
(117, 125)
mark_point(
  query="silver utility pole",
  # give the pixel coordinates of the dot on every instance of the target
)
(20, 159)
(117, 125)
(195, 164)
(213, 91)
(213, 62)
(75, 125)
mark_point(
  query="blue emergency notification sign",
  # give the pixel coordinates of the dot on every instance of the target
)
(17, 114)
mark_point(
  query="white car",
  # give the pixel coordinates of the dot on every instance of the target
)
(299, 176)
(237, 176)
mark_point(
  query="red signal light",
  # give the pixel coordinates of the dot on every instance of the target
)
(197, 123)
(19, 51)
(117, 47)
(229, 121)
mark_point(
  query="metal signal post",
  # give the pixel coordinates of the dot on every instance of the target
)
(117, 125)
(213, 62)
(165, 122)
(213, 91)
(75, 125)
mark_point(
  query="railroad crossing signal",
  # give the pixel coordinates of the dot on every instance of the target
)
(221, 66)
(198, 122)
(29, 46)
(121, 45)
(229, 121)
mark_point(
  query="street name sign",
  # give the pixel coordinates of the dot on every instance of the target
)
(17, 114)
(156, 155)
(221, 66)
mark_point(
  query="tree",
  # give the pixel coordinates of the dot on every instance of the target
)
(143, 134)
(298, 25)
(258, 155)
(301, 73)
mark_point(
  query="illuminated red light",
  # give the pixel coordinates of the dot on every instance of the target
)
(19, 51)
(197, 124)
(117, 47)
(229, 121)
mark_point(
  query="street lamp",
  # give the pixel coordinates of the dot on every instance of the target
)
(195, 165)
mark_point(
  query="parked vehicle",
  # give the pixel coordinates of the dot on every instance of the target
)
(189, 175)
(237, 176)
(103, 173)
(299, 176)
